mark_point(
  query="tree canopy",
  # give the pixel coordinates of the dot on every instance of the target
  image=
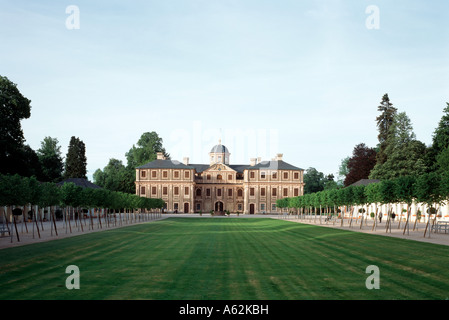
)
(360, 164)
(76, 162)
(406, 155)
(145, 150)
(14, 107)
(50, 159)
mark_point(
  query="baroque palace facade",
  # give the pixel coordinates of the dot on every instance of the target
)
(219, 186)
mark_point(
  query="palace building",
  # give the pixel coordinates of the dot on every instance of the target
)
(219, 186)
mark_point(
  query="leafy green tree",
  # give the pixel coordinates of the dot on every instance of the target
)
(442, 161)
(436, 158)
(71, 195)
(343, 171)
(405, 189)
(314, 181)
(429, 191)
(27, 163)
(14, 107)
(50, 195)
(405, 153)
(146, 150)
(76, 161)
(115, 177)
(50, 158)
(330, 183)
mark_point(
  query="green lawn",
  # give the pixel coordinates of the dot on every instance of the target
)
(225, 258)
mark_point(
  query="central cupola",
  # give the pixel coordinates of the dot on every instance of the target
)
(219, 154)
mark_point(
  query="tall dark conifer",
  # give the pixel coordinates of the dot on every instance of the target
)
(76, 162)
(384, 121)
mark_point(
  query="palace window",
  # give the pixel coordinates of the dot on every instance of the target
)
(295, 192)
(176, 174)
(164, 191)
(176, 191)
(262, 192)
(186, 174)
(153, 190)
(251, 191)
(153, 173)
(252, 175)
(262, 207)
(285, 192)
(239, 207)
(164, 174)
(186, 191)
(218, 192)
(273, 207)
(207, 192)
(229, 176)
(274, 175)
(143, 174)
(285, 175)
(142, 190)
(208, 177)
(262, 175)
(198, 192)
(229, 192)
(296, 175)
(274, 192)
(219, 177)
(198, 206)
(239, 193)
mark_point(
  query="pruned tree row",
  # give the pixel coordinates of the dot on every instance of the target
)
(430, 190)
(35, 202)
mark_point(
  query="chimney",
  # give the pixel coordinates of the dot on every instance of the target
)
(186, 161)
(279, 156)
(160, 156)
(252, 162)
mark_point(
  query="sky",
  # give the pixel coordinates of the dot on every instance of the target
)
(301, 78)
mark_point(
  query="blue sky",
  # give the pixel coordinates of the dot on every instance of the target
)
(302, 78)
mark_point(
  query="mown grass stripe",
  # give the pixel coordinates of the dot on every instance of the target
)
(225, 258)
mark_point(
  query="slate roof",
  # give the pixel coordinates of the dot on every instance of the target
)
(84, 183)
(274, 165)
(165, 164)
(173, 164)
(364, 182)
(219, 148)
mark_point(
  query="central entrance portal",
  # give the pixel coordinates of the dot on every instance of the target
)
(219, 206)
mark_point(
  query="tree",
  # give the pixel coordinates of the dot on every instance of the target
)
(406, 155)
(437, 155)
(384, 122)
(50, 159)
(13, 108)
(428, 190)
(442, 161)
(330, 183)
(146, 150)
(360, 164)
(313, 180)
(76, 162)
(27, 163)
(115, 177)
(343, 170)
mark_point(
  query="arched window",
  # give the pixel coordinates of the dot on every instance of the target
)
(239, 193)
(198, 192)
(219, 177)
